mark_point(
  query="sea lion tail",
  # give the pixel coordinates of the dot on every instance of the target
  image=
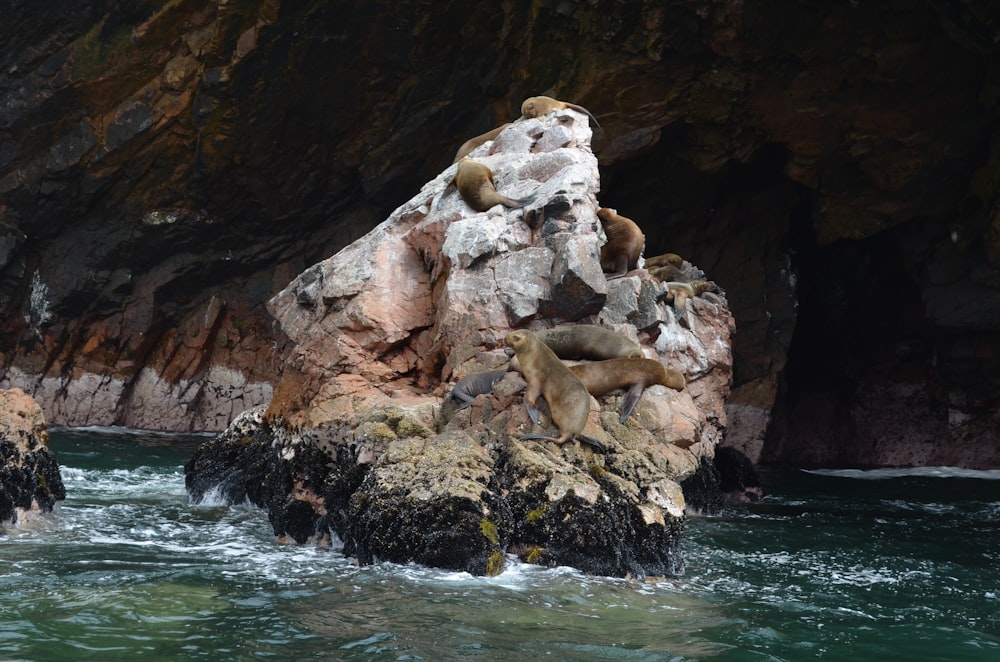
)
(516, 203)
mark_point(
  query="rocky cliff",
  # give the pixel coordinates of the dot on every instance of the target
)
(167, 167)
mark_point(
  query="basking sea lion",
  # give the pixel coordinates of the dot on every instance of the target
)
(541, 106)
(588, 341)
(668, 273)
(600, 377)
(475, 184)
(473, 143)
(663, 260)
(678, 294)
(467, 388)
(547, 376)
(624, 246)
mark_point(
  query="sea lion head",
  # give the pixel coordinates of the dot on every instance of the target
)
(517, 340)
(538, 106)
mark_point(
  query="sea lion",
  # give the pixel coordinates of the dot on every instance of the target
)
(668, 273)
(473, 143)
(588, 341)
(678, 293)
(467, 388)
(600, 377)
(624, 246)
(547, 376)
(541, 106)
(475, 184)
(663, 260)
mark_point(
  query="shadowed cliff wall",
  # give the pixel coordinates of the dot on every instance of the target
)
(165, 167)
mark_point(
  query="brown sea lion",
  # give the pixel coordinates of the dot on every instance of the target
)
(473, 143)
(668, 273)
(588, 341)
(624, 246)
(467, 388)
(600, 377)
(678, 294)
(541, 106)
(475, 184)
(663, 260)
(547, 376)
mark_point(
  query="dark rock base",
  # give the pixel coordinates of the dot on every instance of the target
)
(315, 494)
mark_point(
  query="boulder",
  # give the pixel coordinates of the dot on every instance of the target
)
(30, 482)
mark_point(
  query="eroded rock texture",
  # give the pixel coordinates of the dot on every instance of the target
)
(167, 167)
(30, 482)
(381, 330)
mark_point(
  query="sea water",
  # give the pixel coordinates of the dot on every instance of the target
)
(834, 565)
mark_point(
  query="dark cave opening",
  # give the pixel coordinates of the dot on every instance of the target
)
(859, 307)
(860, 333)
(836, 340)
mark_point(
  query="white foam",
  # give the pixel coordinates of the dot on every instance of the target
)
(216, 498)
(908, 472)
(121, 430)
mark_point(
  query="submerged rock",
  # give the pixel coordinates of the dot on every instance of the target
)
(30, 482)
(358, 445)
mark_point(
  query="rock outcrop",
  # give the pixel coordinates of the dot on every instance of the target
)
(359, 442)
(30, 482)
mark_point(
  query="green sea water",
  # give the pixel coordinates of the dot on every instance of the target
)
(833, 565)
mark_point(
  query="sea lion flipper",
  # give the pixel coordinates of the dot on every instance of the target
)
(538, 436)
(532, 412)
(586, 112)
(630, 401)
(520, 202)
(580, 437)
(680, 307)
(514, 203)
(593, 442)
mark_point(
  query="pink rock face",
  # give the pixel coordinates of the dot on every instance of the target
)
(21, 419)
